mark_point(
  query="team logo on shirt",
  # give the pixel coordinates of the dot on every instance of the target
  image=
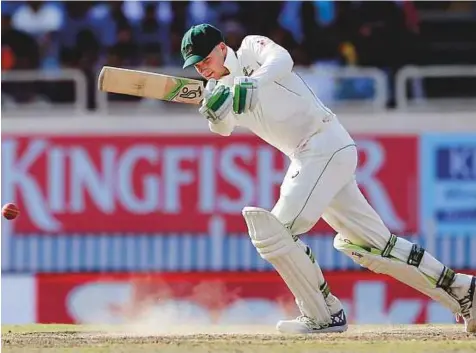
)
(248, 71)
(295, 174)
(262, 42)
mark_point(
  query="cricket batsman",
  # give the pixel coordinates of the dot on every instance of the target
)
(256, 88)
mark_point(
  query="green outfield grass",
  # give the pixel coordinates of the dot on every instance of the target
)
(236, 339)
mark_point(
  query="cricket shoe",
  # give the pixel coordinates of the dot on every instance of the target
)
(468, 308)
(305, 324)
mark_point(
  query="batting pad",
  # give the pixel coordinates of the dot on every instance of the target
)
(275, 244)
(411, 275)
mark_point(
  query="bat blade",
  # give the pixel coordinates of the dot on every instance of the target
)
(150, 85)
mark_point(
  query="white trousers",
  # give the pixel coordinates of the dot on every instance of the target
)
(320, 182)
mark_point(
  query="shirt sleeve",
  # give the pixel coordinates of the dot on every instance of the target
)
(224, 127)
(275, 61)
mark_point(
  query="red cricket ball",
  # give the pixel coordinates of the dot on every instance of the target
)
(10, 211)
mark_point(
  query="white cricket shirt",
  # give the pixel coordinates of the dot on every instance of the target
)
(288, 113)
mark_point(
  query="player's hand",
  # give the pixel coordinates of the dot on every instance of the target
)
(217, 102)
(245, 94)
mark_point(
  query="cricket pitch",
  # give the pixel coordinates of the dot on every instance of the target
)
(236, 339)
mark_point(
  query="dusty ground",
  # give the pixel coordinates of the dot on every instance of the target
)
(368, 339)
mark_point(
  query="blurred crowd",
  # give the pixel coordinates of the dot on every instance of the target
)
(49, 34)
(90, 34)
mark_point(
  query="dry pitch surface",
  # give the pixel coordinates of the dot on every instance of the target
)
(359, 338)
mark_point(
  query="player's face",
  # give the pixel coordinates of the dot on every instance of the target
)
(212, 66)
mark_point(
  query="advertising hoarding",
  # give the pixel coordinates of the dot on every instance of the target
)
(222, 298)
(116, 202)
(448, 184)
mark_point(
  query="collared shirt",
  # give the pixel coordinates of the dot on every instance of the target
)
(287, 113)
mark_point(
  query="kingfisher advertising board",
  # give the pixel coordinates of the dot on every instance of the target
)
(119, 193)
(448, 180)
(176, 184)
(222, 298)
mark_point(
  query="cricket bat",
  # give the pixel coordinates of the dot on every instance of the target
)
(150, 85)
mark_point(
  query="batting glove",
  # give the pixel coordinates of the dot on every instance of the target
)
(245, 94)
(217, 102)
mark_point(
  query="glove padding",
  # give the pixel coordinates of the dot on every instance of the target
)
(245, 94)
(217, 102)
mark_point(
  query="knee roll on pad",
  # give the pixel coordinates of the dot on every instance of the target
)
(405, 262)
(275, 244)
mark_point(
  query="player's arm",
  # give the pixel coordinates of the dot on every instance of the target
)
(275, 63)
(216, 108)
(224, 127)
